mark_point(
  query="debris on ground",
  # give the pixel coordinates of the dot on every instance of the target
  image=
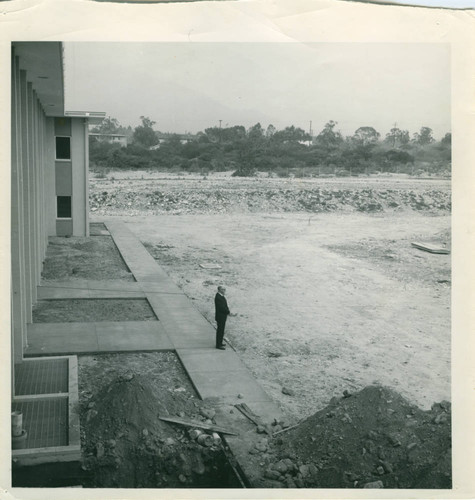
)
(427, 247)
(131, 197)
(371, 439)
(126, 445)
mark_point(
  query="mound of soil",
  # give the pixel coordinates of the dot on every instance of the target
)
(370, 439)
(126, 445)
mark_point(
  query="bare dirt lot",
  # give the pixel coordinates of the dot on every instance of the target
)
(324, 304)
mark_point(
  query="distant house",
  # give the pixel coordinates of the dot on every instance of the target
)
(184, 139)
(110, 138)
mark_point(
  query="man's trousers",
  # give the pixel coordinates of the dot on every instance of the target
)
(220, 332)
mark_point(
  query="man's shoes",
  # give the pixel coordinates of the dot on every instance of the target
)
(221, 347)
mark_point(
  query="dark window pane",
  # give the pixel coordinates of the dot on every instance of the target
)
(64, 206)
(63, 148)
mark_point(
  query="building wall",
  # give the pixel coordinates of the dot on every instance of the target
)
(37, 179)
(31, 152)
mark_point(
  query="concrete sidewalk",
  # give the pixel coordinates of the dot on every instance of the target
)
(214, 373)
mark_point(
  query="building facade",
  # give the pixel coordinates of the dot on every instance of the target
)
(49, 173)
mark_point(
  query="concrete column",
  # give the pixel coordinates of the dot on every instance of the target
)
(17, 270)
(26, 198)
(86, 173)
(49, 181)
(33, 195)
(78, 164)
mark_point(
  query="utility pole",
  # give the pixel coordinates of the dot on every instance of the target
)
(220, 123)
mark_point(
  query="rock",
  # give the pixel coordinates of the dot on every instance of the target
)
(304, 470)
(208, 412)
(374, 484)
(194, 433)
(290, 483)
(289, 392)
(198, 466)
(90, 415)
(280, 467)
(240, 396)
(346, 394)
(145, 432)
(312, 470)
(182, 478)
(380, 470)
(272, 474)
(290, 465)
(99, 450)
(411, 446)
(261, 446)
(299, 483)
(441, 418)
(261, 429)
(351, 477)
(387, 467)
(170, 441)
(182, 414)
(112, 443)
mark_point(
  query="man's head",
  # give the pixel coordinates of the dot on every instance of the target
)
(222, 290)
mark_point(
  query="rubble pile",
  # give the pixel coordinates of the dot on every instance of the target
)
(115, 199)
(126, 445)
(370, 439)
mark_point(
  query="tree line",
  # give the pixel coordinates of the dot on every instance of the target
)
(290, 151)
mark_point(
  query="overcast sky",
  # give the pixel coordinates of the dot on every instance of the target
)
(191, 86)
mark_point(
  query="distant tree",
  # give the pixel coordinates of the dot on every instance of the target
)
(107, 126)
(291, 134)
(447, 140)
(256, 132)
(328, 138)
(424, 136)
(144, 134)
(270, 131)
(366, 136)
(397, 137)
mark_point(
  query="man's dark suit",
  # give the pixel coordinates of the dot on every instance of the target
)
(222, 312)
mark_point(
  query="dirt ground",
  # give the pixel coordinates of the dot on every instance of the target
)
(94, 258)
(325, 303)
(84, 310)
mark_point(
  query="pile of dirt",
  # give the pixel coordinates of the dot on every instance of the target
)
(84, 258)
(370, 439)
(146, 199)
(126, 445)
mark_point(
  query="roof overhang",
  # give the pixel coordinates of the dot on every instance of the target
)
(43, 63)
(93, 117)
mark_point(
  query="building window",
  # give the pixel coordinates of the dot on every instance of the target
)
(63, 207)
(63, 148)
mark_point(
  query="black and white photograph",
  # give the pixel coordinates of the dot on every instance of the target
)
(231, 265)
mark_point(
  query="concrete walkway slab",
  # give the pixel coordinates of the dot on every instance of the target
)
(60, 338)
(210, 360)
(95, 337)
(227, 385)
(132, 336)
(62, 293)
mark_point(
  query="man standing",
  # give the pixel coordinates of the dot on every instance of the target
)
(221, 315)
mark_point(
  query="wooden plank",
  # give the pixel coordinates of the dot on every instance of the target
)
(199, 425)
(427, 247)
